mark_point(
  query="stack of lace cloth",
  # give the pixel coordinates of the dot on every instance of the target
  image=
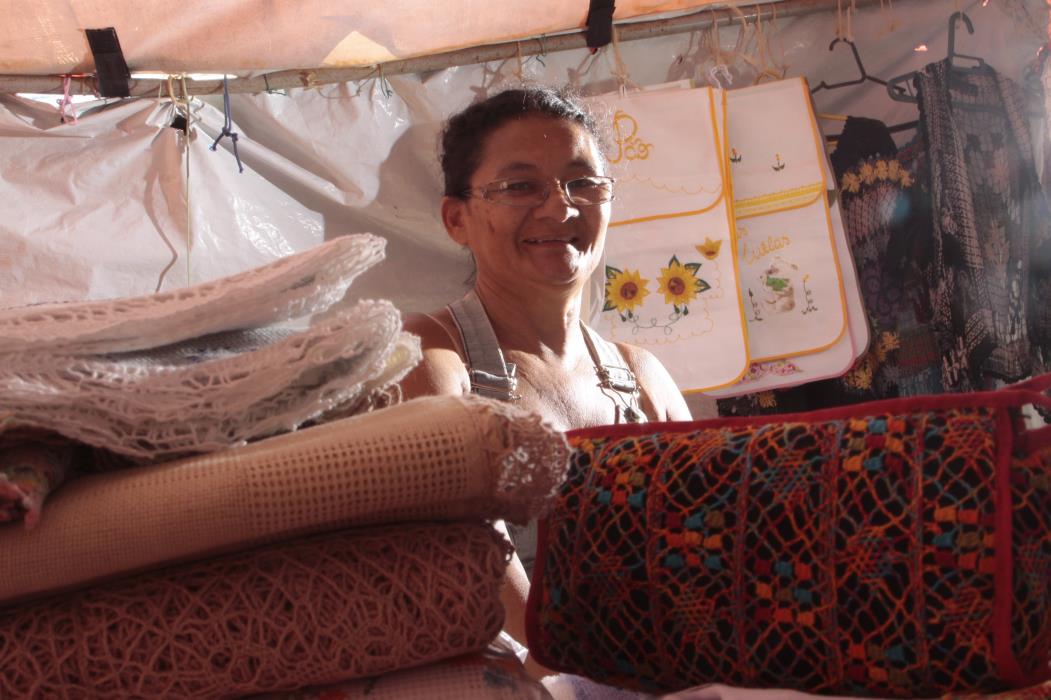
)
(244, 518)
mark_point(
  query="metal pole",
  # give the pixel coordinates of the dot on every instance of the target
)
(627, 31)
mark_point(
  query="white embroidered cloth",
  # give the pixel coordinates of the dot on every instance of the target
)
(669, 281)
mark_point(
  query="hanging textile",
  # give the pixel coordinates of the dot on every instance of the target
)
(669, 281)
(791, 281)
(991, 265)
(832, 362)
(887, 223)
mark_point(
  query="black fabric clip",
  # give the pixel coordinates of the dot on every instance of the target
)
(228, 125)
(110, 68)
(600, 24)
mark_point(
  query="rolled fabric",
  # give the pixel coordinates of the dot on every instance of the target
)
(495, 674)
(312, 611)
(444, 458)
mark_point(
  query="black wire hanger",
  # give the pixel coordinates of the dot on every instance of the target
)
(897, 87)
(864, 76)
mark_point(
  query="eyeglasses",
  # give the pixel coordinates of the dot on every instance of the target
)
(532, 192)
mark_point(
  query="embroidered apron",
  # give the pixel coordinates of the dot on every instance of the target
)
(669, 281)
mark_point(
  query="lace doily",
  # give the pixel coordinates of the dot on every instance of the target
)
(211, 393)
(287, 288)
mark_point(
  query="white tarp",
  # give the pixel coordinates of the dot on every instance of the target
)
(47, 36)
(86, 209)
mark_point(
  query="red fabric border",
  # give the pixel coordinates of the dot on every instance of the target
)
(1032, 440)
(534, 641)
(1003, 578)
(1006, 398)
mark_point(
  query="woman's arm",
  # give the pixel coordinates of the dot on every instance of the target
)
(442, 372)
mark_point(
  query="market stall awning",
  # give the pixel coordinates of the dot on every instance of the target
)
(239, 36)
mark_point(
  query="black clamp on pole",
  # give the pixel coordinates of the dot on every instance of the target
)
(599, 24)
(110, 68)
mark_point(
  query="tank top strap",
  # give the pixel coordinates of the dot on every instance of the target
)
(614, 376)
(491, 376)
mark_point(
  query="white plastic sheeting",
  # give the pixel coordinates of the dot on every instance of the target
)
(47, 37)
(86, 209)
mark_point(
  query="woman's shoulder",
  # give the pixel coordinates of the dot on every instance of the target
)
(442, 370)
(435, 329)
(655, 384)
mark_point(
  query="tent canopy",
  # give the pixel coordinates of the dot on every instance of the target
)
(47, 37)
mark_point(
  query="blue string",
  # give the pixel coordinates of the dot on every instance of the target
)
(228, 124)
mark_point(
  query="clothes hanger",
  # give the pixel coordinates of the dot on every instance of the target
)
(864, 77)
(863, 74)
(898, 88)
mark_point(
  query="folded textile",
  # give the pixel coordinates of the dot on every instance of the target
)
(433, 458)
(895, 549)
(307, 612)
(494, 674)
(291, 287)
(222, 392)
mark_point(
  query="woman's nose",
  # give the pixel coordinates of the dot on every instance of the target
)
(557, 205)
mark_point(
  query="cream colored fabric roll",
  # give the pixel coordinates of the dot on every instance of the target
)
(433, 458)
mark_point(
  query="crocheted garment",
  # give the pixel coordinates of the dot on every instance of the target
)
(991, 265)
(894, 549)
(434, 458)
(314, 611)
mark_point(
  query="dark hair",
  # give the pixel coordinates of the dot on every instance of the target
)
(465, 133)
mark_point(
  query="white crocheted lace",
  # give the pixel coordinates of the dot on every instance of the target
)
(288, 288)
(94, 371)
(532, 459)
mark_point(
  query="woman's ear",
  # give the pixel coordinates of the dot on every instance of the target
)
(454, 213)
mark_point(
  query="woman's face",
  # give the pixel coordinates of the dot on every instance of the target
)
(553, 243)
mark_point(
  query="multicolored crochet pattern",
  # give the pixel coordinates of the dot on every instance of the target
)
(899, 548)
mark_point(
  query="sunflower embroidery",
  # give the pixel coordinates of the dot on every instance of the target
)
(625, 289)
(680, 284)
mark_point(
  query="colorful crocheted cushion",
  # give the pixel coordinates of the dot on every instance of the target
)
(898, 548)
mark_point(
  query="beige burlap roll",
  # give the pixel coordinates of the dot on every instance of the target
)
(434, 458)
(316, 610)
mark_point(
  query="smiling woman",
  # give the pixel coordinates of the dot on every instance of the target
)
(526, 191)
